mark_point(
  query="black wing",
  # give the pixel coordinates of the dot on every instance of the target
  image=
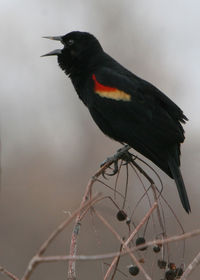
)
(149, 121)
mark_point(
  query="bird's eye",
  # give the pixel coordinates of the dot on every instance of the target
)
(70, 42)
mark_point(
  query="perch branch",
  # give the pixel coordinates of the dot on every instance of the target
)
(125, 244)
(76, 230)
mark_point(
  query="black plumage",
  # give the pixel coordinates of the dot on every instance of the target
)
(124, 106)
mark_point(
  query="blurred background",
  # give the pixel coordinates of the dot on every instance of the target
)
(49, 144)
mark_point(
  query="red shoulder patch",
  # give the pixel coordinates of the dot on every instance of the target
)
(109, 92)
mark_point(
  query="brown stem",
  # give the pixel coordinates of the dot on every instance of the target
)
(8, 273)
(154, 192)
(36, 259)
(176, 238)
(191, 267)
(125, 244)
(76, 230)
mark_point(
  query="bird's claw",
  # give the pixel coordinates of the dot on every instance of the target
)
(122, 154)
(109, 159)
(114, 171)
(127, 158)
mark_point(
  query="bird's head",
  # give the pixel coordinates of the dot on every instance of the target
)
(77, 50)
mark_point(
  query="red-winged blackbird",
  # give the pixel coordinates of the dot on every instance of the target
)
(124, 106)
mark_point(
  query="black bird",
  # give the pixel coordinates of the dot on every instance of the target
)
(125, 107)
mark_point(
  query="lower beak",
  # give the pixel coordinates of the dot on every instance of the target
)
(57, 51)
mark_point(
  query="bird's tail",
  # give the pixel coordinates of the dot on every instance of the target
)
(176, 173)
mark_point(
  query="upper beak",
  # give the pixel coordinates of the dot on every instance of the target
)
(57, 51)
(57, 38)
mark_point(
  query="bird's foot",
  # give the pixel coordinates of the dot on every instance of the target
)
(122, 154)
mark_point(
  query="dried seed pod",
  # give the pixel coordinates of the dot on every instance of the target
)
(121, 215)
(139, 241)
(156, 249)
(162, 264)
(170, 274)
(133, 270)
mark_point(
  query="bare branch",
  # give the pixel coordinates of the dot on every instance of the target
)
(76, 230)
(8, 273)
(125, 244)
(116, 254)
(88, 201)
(191, 267)
(36, 260)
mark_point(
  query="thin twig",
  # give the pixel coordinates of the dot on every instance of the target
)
(150, 167)
(176, 238)
(154, 192)
(113, 189)
(191, 267)
(8, 273)
(76, 230)
(142, 172)
(117, 178)
(158, 209)
(125, 275)
(117, 263)
(37, 258)
(126, 186)
(155, 205)
(125, 244)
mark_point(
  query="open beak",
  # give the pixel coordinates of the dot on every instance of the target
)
(57, 51)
